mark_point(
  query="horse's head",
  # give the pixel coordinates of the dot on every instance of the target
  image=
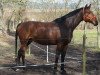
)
(88, 15)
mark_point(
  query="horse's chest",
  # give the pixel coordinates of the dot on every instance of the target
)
(66, 35)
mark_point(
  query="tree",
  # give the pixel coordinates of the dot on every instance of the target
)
(16, 7)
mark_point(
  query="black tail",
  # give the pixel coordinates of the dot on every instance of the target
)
(16, 37)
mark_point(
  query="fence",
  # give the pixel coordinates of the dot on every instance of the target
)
(86, 38)
(92, 36)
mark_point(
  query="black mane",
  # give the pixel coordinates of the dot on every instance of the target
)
(62, 19)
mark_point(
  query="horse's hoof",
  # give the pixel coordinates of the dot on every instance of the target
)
(55, 71)
(24, 69)
(63, 72)
(15, 69)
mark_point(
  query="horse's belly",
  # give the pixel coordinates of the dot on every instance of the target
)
(46, 41)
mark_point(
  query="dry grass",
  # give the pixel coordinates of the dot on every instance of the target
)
(6, 49)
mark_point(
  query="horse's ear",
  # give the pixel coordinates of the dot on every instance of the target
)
(86, 6)
(89, 6)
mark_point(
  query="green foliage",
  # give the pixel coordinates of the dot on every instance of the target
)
(91, 40)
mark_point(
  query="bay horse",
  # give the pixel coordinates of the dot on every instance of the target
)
(57, 32)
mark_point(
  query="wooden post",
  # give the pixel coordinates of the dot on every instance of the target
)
(47, 54)
(84, 52)
(98, 30)
(98, 40)
(84, 55)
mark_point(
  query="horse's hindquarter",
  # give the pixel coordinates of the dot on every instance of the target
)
(23, 31)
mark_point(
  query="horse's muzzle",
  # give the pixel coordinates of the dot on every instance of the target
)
(95, 23)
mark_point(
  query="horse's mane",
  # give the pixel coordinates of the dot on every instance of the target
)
(63, 18)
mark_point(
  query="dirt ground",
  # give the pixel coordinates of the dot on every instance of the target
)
(73, 65)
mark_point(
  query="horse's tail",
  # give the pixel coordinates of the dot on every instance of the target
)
(16, 37)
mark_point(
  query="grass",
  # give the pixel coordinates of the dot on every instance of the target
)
(91, 39)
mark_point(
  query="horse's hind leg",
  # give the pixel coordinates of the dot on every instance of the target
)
(21, 53)
(25, 46)
(23, 56)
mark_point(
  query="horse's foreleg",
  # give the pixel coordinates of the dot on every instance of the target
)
(56, 59)
(63, 54)
(58, 52)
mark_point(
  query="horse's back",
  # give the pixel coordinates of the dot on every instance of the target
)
(41, 32)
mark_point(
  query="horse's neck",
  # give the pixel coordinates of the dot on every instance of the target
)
(70, 23)
(76, 20)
